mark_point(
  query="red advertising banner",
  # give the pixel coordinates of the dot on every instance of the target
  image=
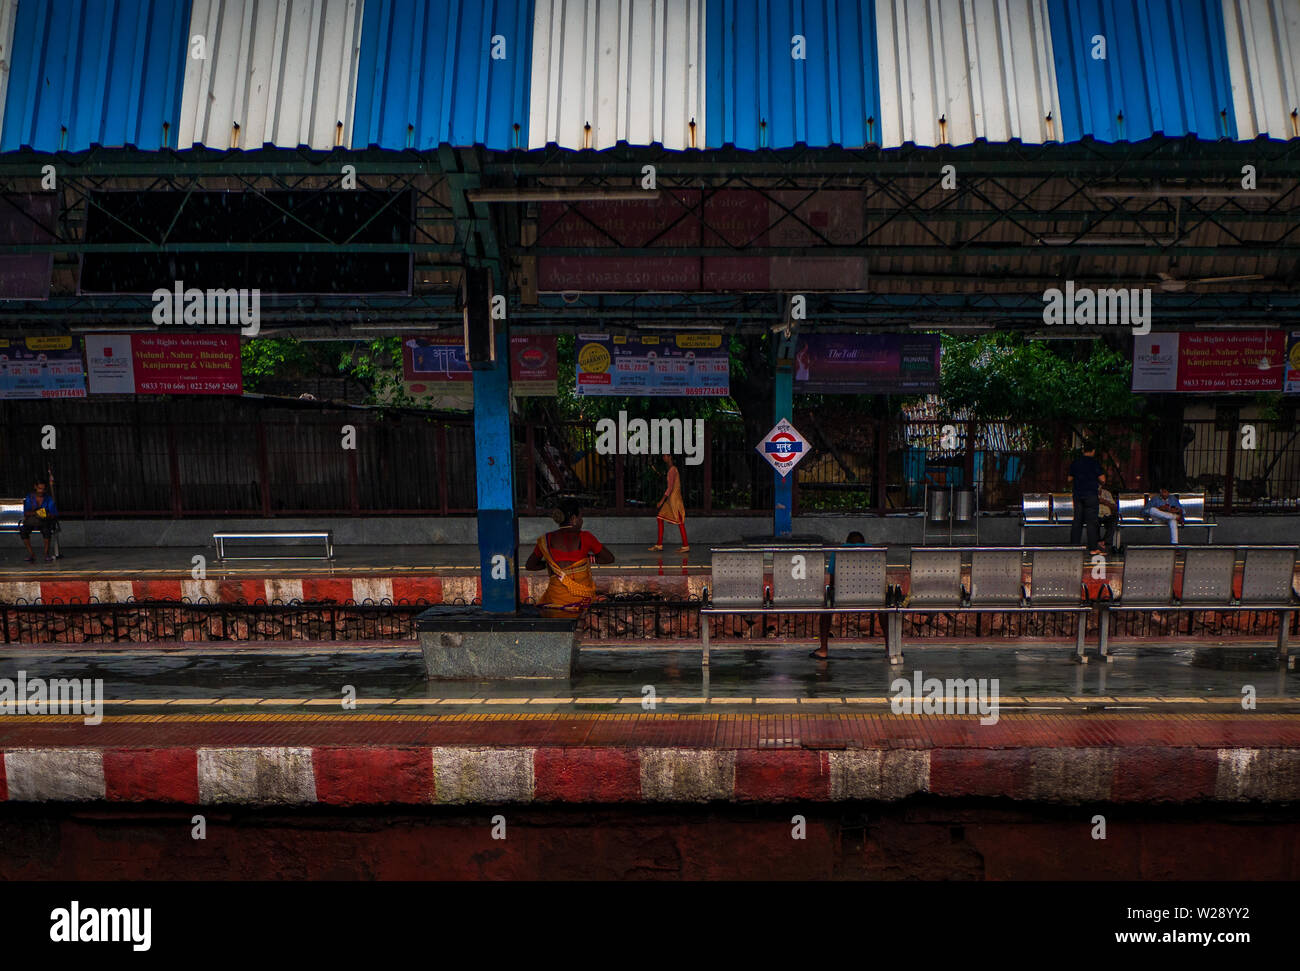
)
(1208, 361)
(741, 218)
(534, 366)
(164, 364)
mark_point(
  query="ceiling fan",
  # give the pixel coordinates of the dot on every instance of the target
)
(1173, 284)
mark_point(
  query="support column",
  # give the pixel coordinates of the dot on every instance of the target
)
(493, 463)
(783, 488)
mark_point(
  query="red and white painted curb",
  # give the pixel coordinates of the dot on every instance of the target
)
(375, 589)
(459, 775)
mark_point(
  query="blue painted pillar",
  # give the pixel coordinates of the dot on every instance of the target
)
(783, 492)
(493, 461)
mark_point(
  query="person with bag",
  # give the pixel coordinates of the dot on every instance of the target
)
(671, 508)
(39, 513)
(568, 553)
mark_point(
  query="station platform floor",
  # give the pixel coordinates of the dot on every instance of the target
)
(263, 726)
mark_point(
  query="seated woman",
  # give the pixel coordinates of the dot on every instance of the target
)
(568, 553)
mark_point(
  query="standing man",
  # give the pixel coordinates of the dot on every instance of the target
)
(1167, 508)
(40, 513)
(1086, 478)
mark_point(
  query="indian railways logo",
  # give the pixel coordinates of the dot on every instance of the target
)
(783, 447)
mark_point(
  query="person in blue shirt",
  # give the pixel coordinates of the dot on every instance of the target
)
(39, 512)
(824, 625)
(1168, 509)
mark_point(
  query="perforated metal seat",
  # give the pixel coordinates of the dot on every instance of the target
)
(799, 578)
(1148, 576)
(1267, 579)
(1207, 575)
(1055, 577)
(860, 579)
(1132, 507)
(936, 578)
(1062, 507)
(1036, 507)
(996, 577)
(737, 579)
(1193, 507)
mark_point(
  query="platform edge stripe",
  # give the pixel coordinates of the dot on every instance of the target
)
(372, 775)
(256, 776)
(54, 775)
(481, 775)
(687, 775)
(168, 774)
(782, 775)
(586, 774)
(1258, 775)
(1071, 775)
(884, 775)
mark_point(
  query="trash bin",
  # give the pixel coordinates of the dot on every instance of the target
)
(963, 506)
(937, 504)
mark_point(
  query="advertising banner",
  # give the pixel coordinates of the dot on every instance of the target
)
(158, 364)
(41, 367)
(1204, 362)
(867, 364)
(1292, 379)
(653, 366)
(534, 366)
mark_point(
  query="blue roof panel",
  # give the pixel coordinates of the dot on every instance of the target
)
(96, 72)
(427, 75)
(761, 94)
(1165, 69)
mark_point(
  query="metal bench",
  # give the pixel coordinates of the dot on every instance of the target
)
(1132, 515)
(798, 583)
(1045, 509)
(11, 518)
(324, 536)
(996, 584)
(1208, 574)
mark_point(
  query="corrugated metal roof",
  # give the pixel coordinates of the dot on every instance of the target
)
(953, 71)
(763, 94)
(95, 72)
(1263, 38)
(427, 74)
(632, 71)
(284, 72)
(1165, 69)
(8, 14)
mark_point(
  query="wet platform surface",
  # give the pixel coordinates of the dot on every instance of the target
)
(390, 678)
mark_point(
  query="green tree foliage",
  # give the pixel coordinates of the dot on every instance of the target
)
(376, 364)
(1003, 376)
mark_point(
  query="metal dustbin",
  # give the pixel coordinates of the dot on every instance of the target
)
(936, 501)
(963, 506)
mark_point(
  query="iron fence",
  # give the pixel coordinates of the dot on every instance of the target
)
(213, 457)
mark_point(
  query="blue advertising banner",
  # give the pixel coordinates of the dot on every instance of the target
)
(41, 367)
(867, 364)
(646, 365)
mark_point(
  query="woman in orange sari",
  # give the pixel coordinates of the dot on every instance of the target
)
(671, 508)
(568, 553)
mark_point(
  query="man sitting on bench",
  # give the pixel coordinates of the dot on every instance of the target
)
(39, 512)
(1166, 508)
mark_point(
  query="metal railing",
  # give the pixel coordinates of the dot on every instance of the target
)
(236, 458)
